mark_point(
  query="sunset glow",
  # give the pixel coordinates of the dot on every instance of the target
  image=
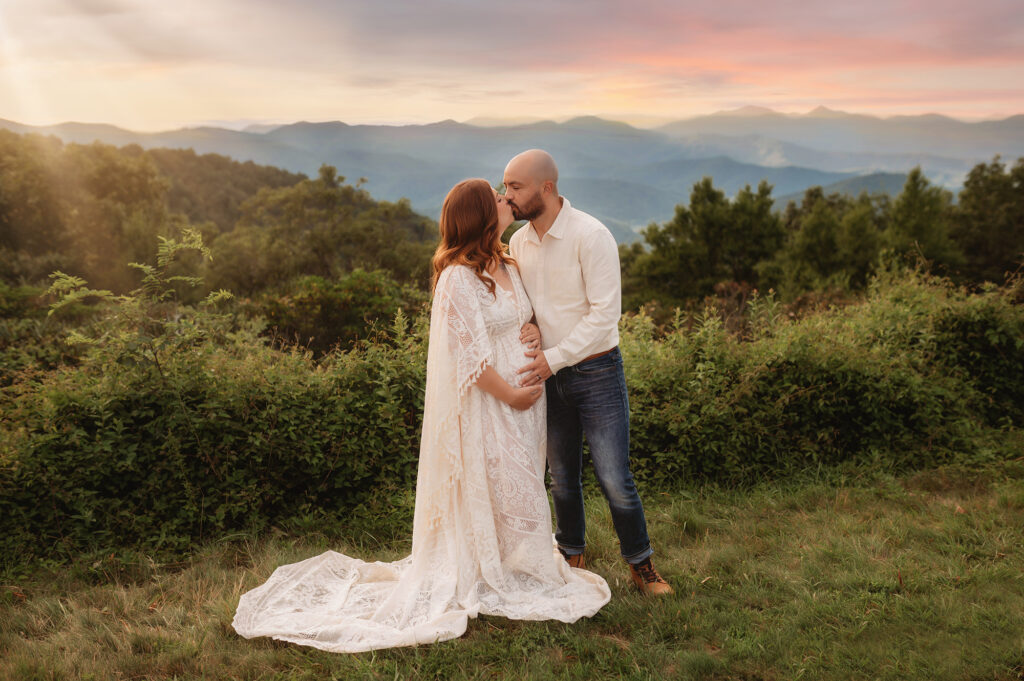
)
(146, 65)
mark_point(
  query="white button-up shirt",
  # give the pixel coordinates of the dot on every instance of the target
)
(574, 283)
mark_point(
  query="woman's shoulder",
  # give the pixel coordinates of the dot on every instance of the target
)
(457, 275)
(455, 270)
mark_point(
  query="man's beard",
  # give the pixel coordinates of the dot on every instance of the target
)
(531, 210)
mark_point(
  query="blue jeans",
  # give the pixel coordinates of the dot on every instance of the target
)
(590, 400)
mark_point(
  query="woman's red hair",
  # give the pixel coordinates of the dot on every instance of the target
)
(469, 231)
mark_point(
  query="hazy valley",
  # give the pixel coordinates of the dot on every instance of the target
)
(626, 176)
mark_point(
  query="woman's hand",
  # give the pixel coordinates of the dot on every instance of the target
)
(524, 398)
(517, 398)
(530, 334)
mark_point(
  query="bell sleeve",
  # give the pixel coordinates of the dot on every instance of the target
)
(459, 350)
(459, 298)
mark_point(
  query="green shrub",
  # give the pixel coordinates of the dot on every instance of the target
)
(30, 341)
(319, 314)
(915, 376)
(180, 425)
(20, 301)
(984, 340)
(216, 440)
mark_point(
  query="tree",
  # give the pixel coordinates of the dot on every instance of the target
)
(920, 222)
(755, 233)
(29, 216)
(114, 210)
(321, 227)
(712, 240)
(859, 241)
(87, 209)
(989, 220)
(831, 241)
(666, 271)
(210, 189)
(811, 255)
(319, 314)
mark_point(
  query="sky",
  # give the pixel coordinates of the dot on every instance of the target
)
(148, 65)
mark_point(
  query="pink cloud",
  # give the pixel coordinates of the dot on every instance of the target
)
(549, 57)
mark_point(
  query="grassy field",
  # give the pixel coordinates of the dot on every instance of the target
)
(838, 576)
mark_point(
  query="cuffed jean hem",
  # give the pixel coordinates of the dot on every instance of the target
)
(640, 557)
(632, 560)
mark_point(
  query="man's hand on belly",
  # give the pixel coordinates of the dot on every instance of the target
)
(537, 370)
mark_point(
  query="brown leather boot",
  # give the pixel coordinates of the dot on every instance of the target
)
(647, 579)
(576, 561)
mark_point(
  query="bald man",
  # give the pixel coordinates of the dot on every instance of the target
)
(569, 263)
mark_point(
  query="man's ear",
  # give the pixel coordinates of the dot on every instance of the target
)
(549, 186)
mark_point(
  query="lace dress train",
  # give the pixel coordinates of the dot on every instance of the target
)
(482, 538)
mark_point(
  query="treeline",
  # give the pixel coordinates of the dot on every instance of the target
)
(93, 208)
(90, 209)
(317, 257)
(832, 242)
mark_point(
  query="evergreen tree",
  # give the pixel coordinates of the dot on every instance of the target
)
(755, 233)
(989, 220)
(712, 240)
(920, 222)
(859, 240)
(811, 255)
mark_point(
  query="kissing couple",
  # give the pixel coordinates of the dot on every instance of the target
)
(523, 362)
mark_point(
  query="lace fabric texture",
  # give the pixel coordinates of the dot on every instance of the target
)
(482, 538)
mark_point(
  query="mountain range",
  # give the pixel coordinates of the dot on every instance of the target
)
(624, 175)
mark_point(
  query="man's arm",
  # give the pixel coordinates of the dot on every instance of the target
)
(602, 280)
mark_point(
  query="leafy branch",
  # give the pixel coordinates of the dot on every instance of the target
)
(149, 326)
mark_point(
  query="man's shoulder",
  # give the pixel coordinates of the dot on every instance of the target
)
(586, 226)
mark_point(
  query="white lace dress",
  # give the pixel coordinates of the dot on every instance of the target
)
(482, 538)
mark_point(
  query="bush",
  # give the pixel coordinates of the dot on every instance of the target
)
(320, 314)
(216, 440)
(915, 376)
(180, 427)
(30, 341)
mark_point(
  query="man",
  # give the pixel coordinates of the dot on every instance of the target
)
(570, 266)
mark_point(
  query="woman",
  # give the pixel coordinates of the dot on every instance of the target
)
(482, 538)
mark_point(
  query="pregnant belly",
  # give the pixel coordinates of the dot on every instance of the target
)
(509, 358)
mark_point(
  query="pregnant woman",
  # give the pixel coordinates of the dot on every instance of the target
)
(482, 538)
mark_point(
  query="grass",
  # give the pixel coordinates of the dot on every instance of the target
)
(849, 575)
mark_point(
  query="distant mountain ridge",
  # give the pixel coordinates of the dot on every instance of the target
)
(828, 130)
(624, 175)
(875, 183)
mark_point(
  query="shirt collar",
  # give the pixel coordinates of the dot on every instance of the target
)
(557, 227)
